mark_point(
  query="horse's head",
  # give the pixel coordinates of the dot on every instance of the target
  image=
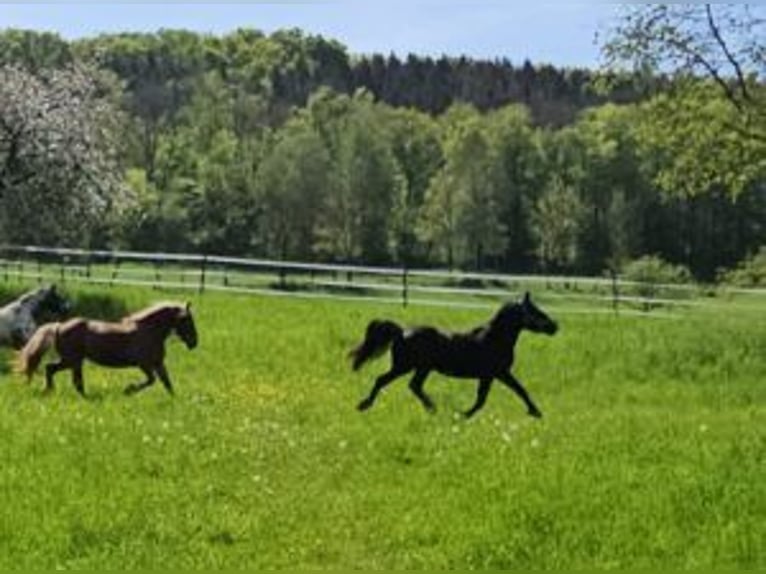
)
(524, 315)
(184, 326)
(533, 319)
(48, 302)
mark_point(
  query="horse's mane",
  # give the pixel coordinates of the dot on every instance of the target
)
(29, 295)
(154, 311)
(505, 310)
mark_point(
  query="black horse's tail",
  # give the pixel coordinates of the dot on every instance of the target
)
(379, 337)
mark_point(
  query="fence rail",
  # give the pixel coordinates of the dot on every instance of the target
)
(355, 282)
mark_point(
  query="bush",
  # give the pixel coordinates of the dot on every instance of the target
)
(653, 269)
(651, 272)
(103, 306)
(750, 272)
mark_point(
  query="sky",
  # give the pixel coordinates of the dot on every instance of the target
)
(558, 33)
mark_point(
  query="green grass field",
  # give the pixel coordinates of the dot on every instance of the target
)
(651, 453)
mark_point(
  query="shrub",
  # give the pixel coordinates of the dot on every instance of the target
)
(651, 272)
(653, 269)
(751, 272)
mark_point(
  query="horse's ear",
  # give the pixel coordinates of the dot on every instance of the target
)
(526, 299)
(188, 306)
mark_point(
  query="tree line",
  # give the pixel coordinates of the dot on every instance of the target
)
(286, 146)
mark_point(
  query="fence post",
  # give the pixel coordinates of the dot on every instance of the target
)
(615, 292)
(404, 286)
(115, 271)
(203, 269)
(157, 275)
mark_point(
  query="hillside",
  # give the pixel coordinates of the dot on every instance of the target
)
(287, 146)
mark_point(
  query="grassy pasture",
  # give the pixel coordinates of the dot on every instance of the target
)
(651, 453)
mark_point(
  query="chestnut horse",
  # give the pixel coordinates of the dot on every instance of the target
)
(138, 340)
(485, 353)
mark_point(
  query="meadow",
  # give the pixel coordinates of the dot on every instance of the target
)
(650, 454)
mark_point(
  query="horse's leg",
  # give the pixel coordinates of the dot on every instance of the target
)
(77, 379)
(135, 387)
(380, 383)
(400, 365)
(481, 397)
(512, 383)
(50, 370)
(162, 373)
(416, 386)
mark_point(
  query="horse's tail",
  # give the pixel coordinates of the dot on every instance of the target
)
(379, 337)
(29, 357)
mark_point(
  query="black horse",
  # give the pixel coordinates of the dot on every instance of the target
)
(485, 353)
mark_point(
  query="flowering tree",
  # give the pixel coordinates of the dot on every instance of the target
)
(59, 175)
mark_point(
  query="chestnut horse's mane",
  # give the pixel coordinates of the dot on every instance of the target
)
(152, 312)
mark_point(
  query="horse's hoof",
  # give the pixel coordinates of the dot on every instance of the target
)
(129, 390)
(535, 413)
(364, 405)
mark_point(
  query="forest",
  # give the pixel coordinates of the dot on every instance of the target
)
(287, 146)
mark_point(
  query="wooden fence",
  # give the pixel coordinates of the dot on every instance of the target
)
(362, 283)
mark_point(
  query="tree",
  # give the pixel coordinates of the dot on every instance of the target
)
(159, 71)
(218, 197)
(479, 222)
(715, 107)
(613, 187)
(417, 150)
(59, 174)
(519, 172)
(355, 218)
(558, 219)
(292, 183)
(34, 51)
(460, 215)
(201, 196)
(153, 221)
(700, 144)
